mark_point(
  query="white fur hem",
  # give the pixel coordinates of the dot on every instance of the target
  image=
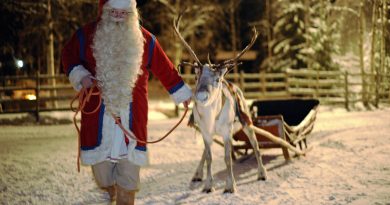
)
(76, 75)
(92, 157)
(184, 93)
(138, 157)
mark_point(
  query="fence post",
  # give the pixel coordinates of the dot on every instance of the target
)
(387, 80)
(37, 91)
(262, 83)
(346, 90)
(242, 81)
(317, 83)
(287, 86)
(377, 84)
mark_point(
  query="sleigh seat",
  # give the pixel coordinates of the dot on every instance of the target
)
(291, 120)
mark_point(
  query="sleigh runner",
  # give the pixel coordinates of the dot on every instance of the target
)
(289, 120)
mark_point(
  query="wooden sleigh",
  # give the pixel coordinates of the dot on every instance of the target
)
(290, 120)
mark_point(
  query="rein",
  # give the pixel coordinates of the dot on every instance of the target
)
(84, 95)
(130, 135)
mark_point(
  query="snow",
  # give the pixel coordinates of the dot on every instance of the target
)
(347, 165)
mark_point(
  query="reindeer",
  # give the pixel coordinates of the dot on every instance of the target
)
(216, 105)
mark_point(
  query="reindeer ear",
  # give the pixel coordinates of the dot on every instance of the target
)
(197, 70)
(223, 70)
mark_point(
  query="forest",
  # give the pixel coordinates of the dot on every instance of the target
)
(333, 54)
(318, 35)
(293, 33)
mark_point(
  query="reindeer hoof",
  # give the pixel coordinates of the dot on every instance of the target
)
(262, 178)
(196, 179)
(206, 190)
(229, 191)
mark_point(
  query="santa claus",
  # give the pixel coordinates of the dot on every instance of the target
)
(120, 54)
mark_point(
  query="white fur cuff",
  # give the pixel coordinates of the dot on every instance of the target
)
(75, 76)
(182, 94)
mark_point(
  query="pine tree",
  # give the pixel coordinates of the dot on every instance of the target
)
(322, 36)
(289, 40)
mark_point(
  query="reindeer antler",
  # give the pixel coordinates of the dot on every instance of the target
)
(189, 49)
(255, 35)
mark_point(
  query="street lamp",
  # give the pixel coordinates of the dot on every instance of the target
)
(19, 64)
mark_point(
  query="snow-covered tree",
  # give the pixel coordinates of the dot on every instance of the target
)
(289, 39)
(322, 37)
(304, 36)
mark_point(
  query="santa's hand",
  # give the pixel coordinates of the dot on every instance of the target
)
(86, 82)
(186, 103)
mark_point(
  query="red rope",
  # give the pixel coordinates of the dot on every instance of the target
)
(131, 135)
(83, 96)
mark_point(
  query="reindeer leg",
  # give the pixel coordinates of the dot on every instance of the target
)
(230, 186)
(198, 176)
(261, 171)
(208, 187)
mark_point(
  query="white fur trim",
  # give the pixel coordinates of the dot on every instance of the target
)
(135, 156)
(111, 147)
(118, 147)
(184, 93)
(102, 152)
(138, 157)
(75, 76)
(122, 4)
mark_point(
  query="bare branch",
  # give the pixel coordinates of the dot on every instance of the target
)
(167, 5)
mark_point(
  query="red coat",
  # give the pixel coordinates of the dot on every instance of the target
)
(78, 52)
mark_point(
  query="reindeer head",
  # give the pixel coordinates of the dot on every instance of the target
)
(209, 76)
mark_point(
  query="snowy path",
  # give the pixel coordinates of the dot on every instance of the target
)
(348, 165)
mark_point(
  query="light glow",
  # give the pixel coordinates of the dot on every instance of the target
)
(19, 63)
(30, 97)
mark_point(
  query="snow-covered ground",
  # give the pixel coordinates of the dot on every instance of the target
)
(349, 164)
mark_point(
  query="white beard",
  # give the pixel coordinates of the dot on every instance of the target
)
(118, 49)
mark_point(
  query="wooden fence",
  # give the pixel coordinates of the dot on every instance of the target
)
(20, 94)
(48, 93)
(330, 87)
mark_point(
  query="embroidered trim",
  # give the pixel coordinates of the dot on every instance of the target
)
(151, 49)
(140, 148)
(80, 36)
(70, 69)
(176, 87)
